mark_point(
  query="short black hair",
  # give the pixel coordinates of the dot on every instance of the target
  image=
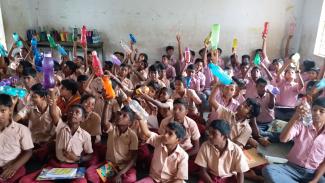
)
(160, 66)
(255, 68)
(153, 68)
(72, 66)
(190, 67)
(128, 110)
(81, 58)
(144, 55)
(255, 107)
(39, 90)
(192, 53)
(178, 129)
(85, 97)
(145, 63)
(261, 81)
(169, 48)
(154, 84)
(277, 60)
(258, 50)
(25, 64)
(179, 78)
(201, 50)
(181, 101)
(319, 101)
(246, 56)
(82, 78)
(198, 60)
(5, 100)
(220, 50)
(29, 71)
(56, 66)
(80, 107)
(70, 85)
(119, 53)
(222, 126)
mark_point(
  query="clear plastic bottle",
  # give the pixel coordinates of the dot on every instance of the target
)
(125, 47)
(136, 107)
(306, 120)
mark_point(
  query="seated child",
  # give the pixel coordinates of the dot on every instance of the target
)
(220, 159)
(16, 144)
(306, 159)
(170, 160)
(68, 96)
(73, 145)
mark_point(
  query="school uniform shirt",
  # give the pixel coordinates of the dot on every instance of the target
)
(232, 106)
(96, 88)
(189, 95)
(119, 146)
(240, 131)
(79, 142)
(308, 150)
(200, 76)
(166, 167)
(266, 115)
(192, 131)
(250, 88)
(194, 83)
(170, 72)
(14, 139)
(227, 164)
(208, 77)
(288, 93)
(40, 124)
(92, 124)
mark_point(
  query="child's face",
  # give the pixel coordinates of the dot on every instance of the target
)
(170, 52)
(260, 88)
(89, 104)
(179, 85)
(89, 58)
(255, 73)
(75, 115)
(29, 81)
(318, 114)
(165, 60)
(124, 71)
(153, 75)
(312, 75)
(169, 138)
(64, 92)
(198, 66)
(190, 73)
(276, 66)
(290, 74)
(180, 112)
(5, 115)
(23, 53)
(163, 96)
(123, 120)
(244, 109)
(244, 68)
(36, 99)
(66, 70)
(229, 91)
(141, 57)
(215, 136)
(152, 92)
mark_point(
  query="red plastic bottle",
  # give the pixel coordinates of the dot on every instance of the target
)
(187, 55)
(83, 39)
(266, 28)
(97, 65)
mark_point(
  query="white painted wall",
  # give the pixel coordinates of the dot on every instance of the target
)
(155, 23)
(310, 20)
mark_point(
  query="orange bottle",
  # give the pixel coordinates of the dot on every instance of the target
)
(107, 84)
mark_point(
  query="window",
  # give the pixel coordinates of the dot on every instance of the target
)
(319, 49)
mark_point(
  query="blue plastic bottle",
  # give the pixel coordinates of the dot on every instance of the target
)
(18, 42)
(220, 74)
(3, 52)
(133, 39)
(61, 50)
(21, 93)
(321, 84)
(37, 55)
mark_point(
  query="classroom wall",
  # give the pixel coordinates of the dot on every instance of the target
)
(310, 20)
(155, 23)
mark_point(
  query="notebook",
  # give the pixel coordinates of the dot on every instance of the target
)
(254, 158)
(108, 170)
(61, 173)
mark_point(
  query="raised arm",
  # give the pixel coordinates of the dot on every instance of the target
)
(213, 97)
(10, 52)
(320, 171)
(155, 102)
(286, 51)
(264, 46)
(284, 67)
(300, 80)
(285, 135)
(106, 115)
(269, 75)
(322, 72)
(205, 56)
(54, 112)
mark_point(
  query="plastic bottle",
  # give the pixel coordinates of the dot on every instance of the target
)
(115, 60)
(274, 90)
(107, 85)
(133, 39)
(207, 39)
(83, 39)
(61, 50)
(234, 43)
(51, 41)
(215, 36)
(295, 59)
(136, 107)
(257, 59)
(3, 52)
(292, 28)
(308, 119)
(188, 82)
(266, 28)
(187, 55)
(220, 74)
(20, 92)
(75, 34)
(9, 81)
(37, 55)
(143, 89)
(97, 65)
(48, 71)
(125, 47)
(18, 42)
(321, 84)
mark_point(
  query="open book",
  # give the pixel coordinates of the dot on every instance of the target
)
(108, 170)
(61, 173)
